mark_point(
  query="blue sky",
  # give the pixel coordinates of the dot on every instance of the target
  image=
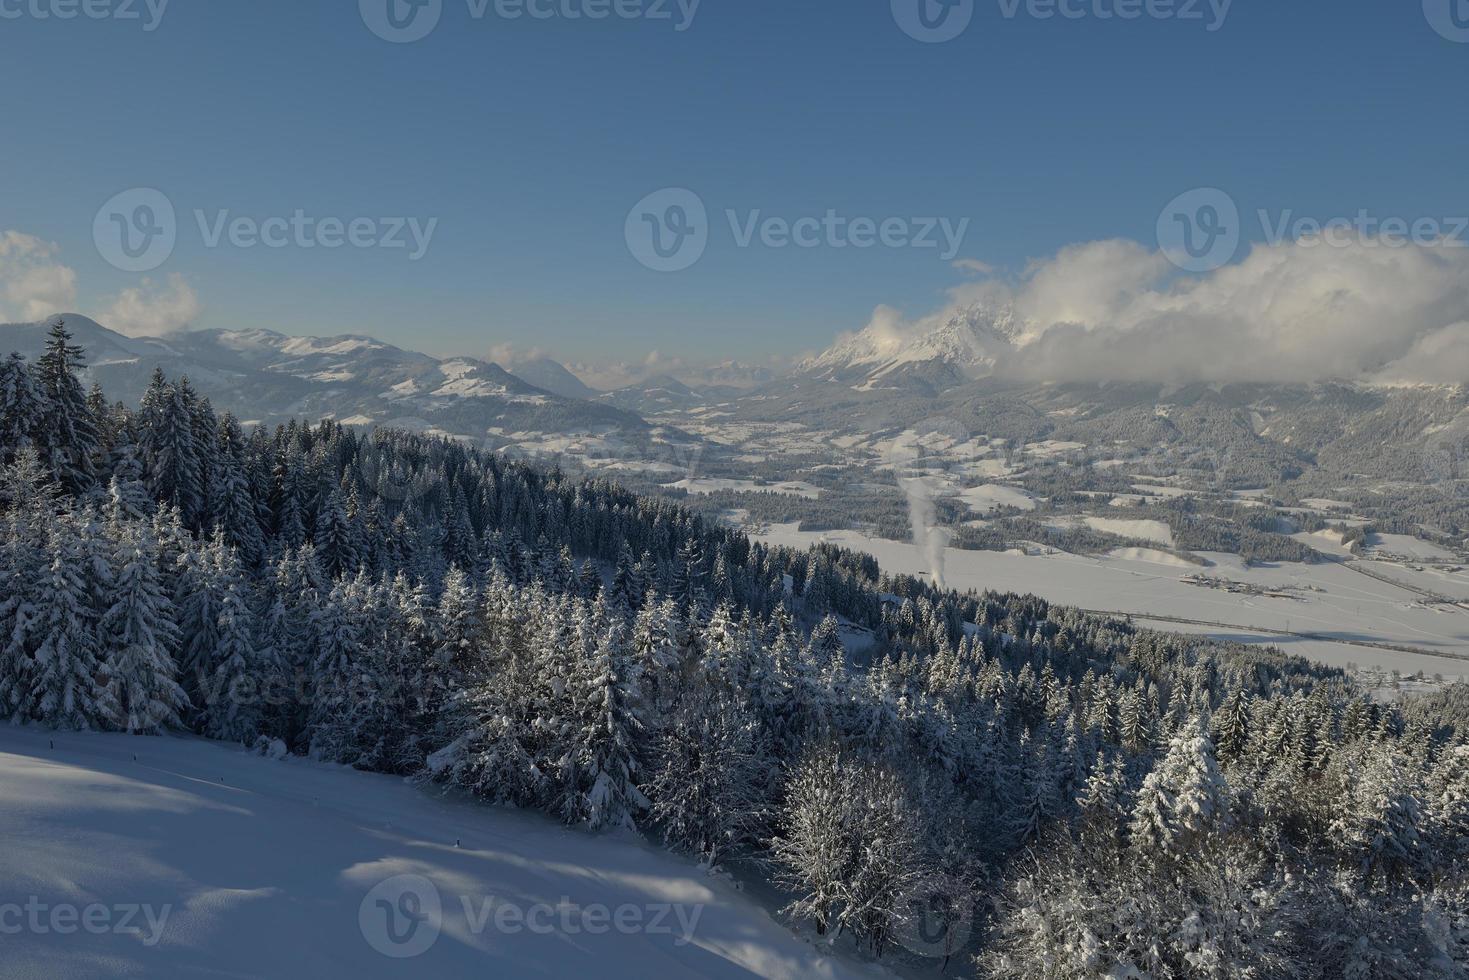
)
(530, 140)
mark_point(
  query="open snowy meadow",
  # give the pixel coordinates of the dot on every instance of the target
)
(171, 857)
(1338, 608)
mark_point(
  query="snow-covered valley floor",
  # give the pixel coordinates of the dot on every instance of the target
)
(176, 857)
(1336, 605)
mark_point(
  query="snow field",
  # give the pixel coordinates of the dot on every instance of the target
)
(176, 857)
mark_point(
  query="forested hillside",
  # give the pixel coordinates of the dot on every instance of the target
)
(1008, 788)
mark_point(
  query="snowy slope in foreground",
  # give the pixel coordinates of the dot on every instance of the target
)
(268, 873)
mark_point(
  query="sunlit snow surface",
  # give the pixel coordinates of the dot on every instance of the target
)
(268, 868)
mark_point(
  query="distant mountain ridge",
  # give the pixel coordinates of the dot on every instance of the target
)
(658, 394)
(268, 377)
(968, 345)
(552, 376)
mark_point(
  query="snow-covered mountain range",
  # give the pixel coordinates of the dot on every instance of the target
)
(969, 344)
(268, 377)
(888, 375)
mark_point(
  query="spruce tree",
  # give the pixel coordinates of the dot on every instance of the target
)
(336, 549)
(69, 431)
(239, 672)
(138, 631)
(22, 407)
(600, 767)
(1181, 800)
(1232, 726)
(63, 690)
(234, 510)
(170, 450)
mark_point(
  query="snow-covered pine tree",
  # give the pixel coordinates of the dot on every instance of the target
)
(240, 672)
(63, 690)
(1232, 726)
(459, 622)
(1181, 800)
(69, 430)
(231, 497)
(1379, 821)
(337, 672)
(1102, 813)
(203, 424)
(128, 498)
(627, 590)
(1448, 804)
(277, 643)
(197, 599)
(335, 543)
(461, 547)
(654, 652)
(287, 499)
(138, 632)
(170, 453)
(27, 496)
(22, 407)
(827, 649)
(599, 769)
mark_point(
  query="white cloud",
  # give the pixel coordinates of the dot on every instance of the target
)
(608, 376)
(974, 266)
(1441, 357)
(152, 310)
(33, 284)
(507, 354)
(1295, 311)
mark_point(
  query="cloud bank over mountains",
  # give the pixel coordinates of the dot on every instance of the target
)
(1299, 311)
(34, 284)
(1294, 311)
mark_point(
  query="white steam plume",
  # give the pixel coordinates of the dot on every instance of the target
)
(921, 491)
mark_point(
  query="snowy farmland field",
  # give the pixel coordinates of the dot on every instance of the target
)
(1331, 599)
(704, 485)
(993, 496)
(199, 859)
